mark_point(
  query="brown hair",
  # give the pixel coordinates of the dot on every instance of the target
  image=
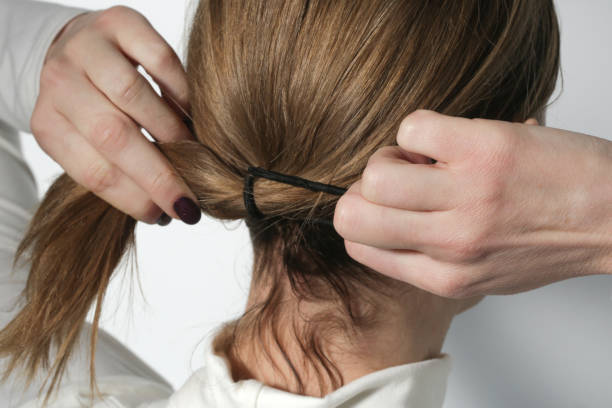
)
(309, 88)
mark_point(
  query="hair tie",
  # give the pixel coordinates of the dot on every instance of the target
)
(249, 196)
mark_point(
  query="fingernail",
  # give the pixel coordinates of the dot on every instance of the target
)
(188, 211)
(164, 220)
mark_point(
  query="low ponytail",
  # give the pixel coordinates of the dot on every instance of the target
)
(311, 89)
(74, 242)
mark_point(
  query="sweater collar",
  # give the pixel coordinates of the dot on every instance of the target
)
(421, 384)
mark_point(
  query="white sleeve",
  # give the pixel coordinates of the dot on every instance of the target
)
(26, 30)
(122, 375)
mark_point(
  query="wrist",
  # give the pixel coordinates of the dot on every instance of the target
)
(602, 205)
(602, 264)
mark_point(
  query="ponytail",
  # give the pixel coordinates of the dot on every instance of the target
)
(74, 242)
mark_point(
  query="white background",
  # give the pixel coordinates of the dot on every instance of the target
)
(550, 347)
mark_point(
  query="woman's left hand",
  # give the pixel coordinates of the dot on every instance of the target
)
(93, 103)
(508, 207)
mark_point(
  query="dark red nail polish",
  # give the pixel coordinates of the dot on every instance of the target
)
(188, 211)
(164, 220)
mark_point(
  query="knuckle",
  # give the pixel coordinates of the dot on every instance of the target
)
(500, 149)
(182, 93)
(411, 124)
(490, 199)
(422, 115)
(53, 73)
(463, 247)
(406, 128)
(163, 182)
(113, 15)
(99, 176)
(120, 10)
(129, 87)
(163, 57)
(351, 249)
(175, 128)
(344, 214)
(75, 44)
(381, 154)
(417, 118)
(396, 233)
(454, 287)
(111, 134)
(372, 180)
(467, 251)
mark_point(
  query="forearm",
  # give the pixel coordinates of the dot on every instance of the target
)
(27, 28)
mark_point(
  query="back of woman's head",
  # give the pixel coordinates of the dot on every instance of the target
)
(309, 88)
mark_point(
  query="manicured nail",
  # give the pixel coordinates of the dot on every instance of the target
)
(164, 220)
(187, 210)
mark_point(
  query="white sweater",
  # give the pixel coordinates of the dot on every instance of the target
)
(26, 30)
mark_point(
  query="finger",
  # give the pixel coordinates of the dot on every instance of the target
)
(411, 267)
(392, 181)
(119, 140)
(178, 109)
(396, 152)
(121, 82)
(137, 38)
(443, 138)
(87, 167)
(359, 220)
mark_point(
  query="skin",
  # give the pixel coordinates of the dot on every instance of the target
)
(90, 86)
(507, 207)
(93, 104)
(413, 325)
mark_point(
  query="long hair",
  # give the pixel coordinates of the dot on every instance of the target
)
(305, 87)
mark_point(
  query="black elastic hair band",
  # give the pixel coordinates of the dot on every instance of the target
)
(254, 172)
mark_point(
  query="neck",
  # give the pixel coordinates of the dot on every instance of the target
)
(409, 330)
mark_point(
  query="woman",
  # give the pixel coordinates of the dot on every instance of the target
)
(335, 80)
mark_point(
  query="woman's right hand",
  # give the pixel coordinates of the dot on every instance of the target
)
(93, 103)
(507, 207)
